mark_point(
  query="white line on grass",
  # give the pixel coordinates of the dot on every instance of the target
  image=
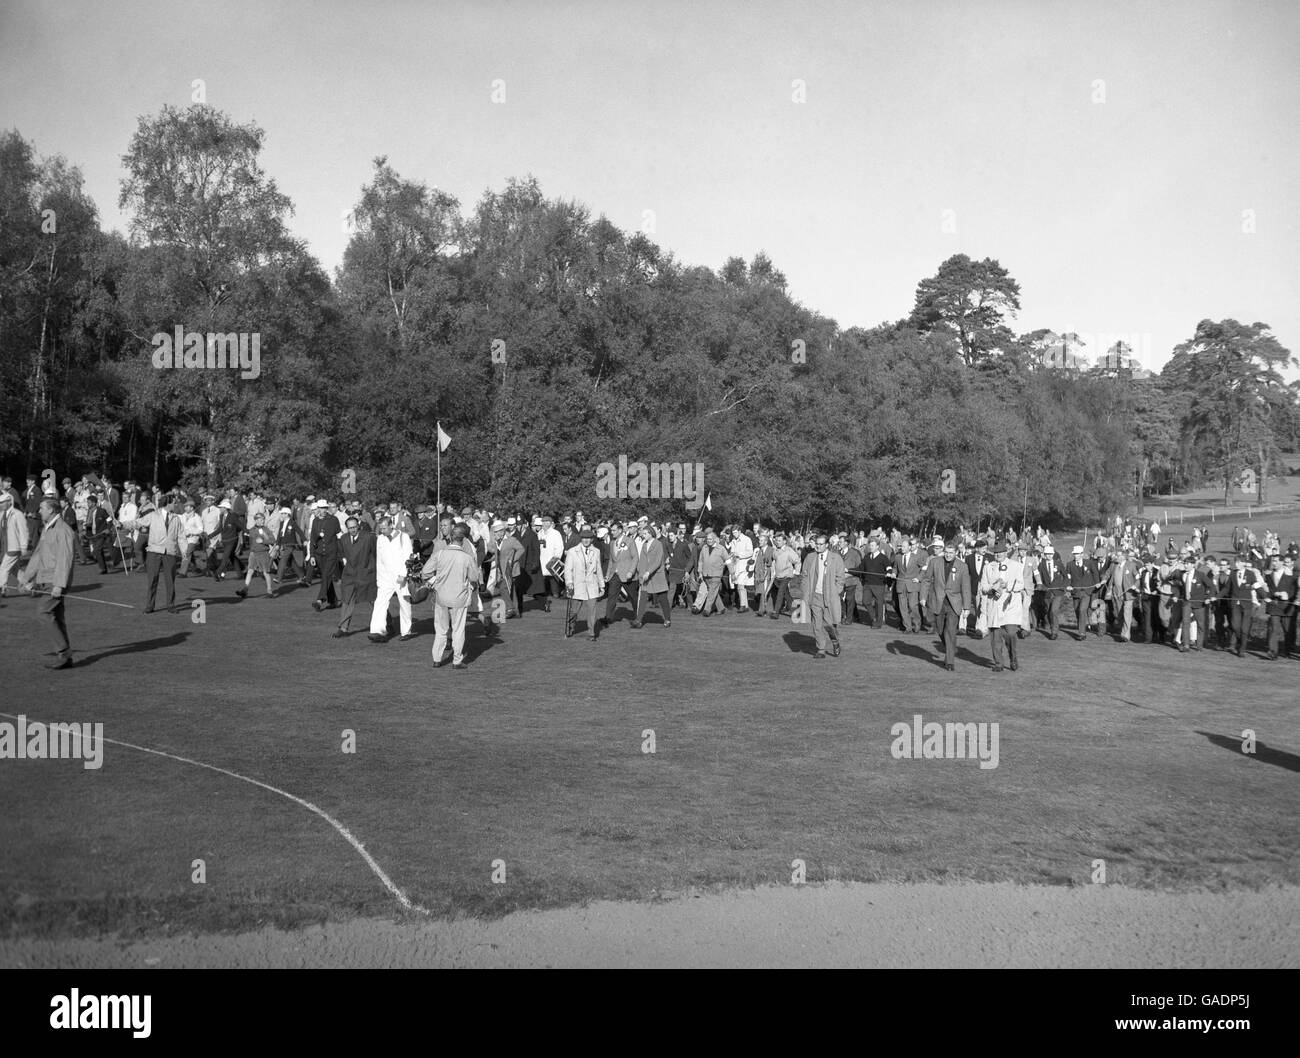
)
(402, 898)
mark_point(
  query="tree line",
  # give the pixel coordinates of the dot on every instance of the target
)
(547, 341)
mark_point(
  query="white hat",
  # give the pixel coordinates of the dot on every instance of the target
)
(1077, 549)
(321, 505)
(498, 525)
(225, 504)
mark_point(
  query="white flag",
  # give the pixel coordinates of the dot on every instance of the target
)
(443, 439)
(708, 501)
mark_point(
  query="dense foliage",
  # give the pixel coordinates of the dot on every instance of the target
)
(547, 342)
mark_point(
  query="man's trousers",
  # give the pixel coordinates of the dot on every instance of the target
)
(453, 618)
(1240, 615)
(783, 598)
(1052, 612)
(50, 612)
(1124, 616)
(1082, 605)
(327, 564)
(947, 621)
(909, 610)
(611, 604)
(1004, 645)
(290, 558)
(155, 564)
(706, 598)
(8, 563)
(824, 630)
(873, 601)
(379, 617)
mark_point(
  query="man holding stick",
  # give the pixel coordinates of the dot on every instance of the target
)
(53, 563)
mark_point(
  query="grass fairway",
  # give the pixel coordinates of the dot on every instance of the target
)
(533, 756)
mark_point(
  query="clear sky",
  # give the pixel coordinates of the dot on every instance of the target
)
(1103, 152)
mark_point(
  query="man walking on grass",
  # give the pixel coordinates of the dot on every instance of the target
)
(823, 584)
(454, 575)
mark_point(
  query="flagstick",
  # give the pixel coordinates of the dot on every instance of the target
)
(438, 443)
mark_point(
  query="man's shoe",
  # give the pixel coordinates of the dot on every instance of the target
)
(242, 592)
(949, 666)
(668, 624)
(835, 649)
(635, 624)
(375, 637)
(403, 639)
(150, 610)
(819, 655)
(1015, 665)
(773, 616)
(66, 663)
(997, 668)
(338, 634)
(459, 666)
(317, 605)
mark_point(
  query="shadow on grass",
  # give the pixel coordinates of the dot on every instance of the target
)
(161, 643)
(1265, 754)
(913, 650)
(800, 643)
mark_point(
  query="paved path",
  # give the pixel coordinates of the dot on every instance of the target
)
(859, 924)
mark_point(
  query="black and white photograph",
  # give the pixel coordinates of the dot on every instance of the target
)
(650, 486)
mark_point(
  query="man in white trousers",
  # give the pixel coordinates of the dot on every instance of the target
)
(392, 550)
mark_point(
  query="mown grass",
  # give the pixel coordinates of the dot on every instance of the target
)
(534, 756)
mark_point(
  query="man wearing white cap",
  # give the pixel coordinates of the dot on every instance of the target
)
(393, 549)
(1081, 580)
(550, 547)
(323, 548)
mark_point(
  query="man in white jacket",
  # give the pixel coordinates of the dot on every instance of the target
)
(392, 550)
(13, 538)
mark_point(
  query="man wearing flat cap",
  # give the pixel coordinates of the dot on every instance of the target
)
(584, 581)
(1002, 587)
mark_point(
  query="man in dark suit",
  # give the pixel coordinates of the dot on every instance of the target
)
(1149, 599)
(975, 568)
(1281, 588)
(1082, 581)
(947, 593)
(53, 563)
(99, 529)
(532, 580)
(323, 549)
(229, 530)
(359, 584)
(1050, 580)
(291, 546)
(1245, 588)
(1201, 591)
(875, 568)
